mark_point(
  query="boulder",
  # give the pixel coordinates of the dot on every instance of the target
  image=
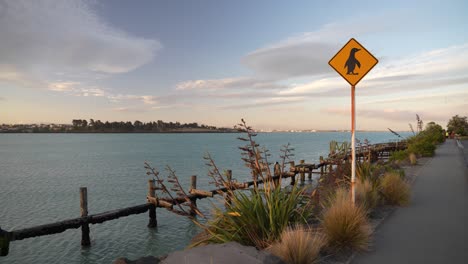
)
(228, 253)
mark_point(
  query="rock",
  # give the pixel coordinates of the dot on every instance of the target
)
(228, 253)
(144, 260)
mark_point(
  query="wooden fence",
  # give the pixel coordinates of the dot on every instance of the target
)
(371, 152)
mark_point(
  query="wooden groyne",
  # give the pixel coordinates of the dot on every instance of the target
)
(370, 152)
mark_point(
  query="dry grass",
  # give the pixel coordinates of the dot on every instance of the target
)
(394, 189)
(366, 194)
(299, 245)
(345, 225)
(413, 159)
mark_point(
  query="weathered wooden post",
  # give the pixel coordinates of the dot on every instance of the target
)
(229, 192)
(302, 171)
(277, 173)
(85, 241)
(293, 170)
(321, 167)
(153, 222)
(4, 242)
(229, 176)
(193, 201)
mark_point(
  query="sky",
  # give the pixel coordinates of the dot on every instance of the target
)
(215, 62)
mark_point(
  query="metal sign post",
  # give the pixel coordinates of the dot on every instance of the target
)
(353, 144)
(353, 62)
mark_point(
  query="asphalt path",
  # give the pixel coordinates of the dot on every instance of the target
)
(434, 227)
(464, 149)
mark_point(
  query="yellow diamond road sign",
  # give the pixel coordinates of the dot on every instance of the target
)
(353, 62)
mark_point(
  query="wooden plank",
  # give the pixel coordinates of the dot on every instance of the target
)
(201, 193)
(59, 227)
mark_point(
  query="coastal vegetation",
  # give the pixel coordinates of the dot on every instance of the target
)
(294, 223)
(298, 223)
(422, 144)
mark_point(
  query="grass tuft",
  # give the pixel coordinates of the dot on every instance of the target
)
(413, 159)
(345, 225)
(394, 189)
(366, 194)
(299, 245)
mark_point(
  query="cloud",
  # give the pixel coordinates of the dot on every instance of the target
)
(62, 86)
(420, 97)
(424, 71)
(130, 109)
(265, 103)
(292, 59)
(308, 54)
(387, 114)
(45, 39)
(228, 83)
(77, 89)
(149, 99)
(11, 74)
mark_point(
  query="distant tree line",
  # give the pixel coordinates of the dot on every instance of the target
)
(82, 125)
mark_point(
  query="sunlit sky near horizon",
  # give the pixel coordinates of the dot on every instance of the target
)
(215, 62)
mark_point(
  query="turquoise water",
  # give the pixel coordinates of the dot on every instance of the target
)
(40, 176)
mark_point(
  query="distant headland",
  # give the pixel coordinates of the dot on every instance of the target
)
(97, 126)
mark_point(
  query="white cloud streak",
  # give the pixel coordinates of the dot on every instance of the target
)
(228, 83)
(387, 114)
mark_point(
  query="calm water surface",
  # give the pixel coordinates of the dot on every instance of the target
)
(40, 176)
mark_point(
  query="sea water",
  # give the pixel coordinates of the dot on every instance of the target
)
(40, 177)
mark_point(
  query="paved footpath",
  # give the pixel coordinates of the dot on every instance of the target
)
(434, 227)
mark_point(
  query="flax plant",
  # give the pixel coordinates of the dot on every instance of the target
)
(259, 216)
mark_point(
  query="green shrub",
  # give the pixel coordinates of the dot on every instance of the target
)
(257, 218)
(299, 245)
(346, 225)
(400, 155)
(394, 189)
(422, 146)
(424, 143)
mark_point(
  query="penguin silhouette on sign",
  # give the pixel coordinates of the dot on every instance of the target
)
(352, 62)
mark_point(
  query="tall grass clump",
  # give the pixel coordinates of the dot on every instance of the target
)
(299, 245)
(413, 159)
(394, 189)
(367, 195)
(259, 216)
(345, 225)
